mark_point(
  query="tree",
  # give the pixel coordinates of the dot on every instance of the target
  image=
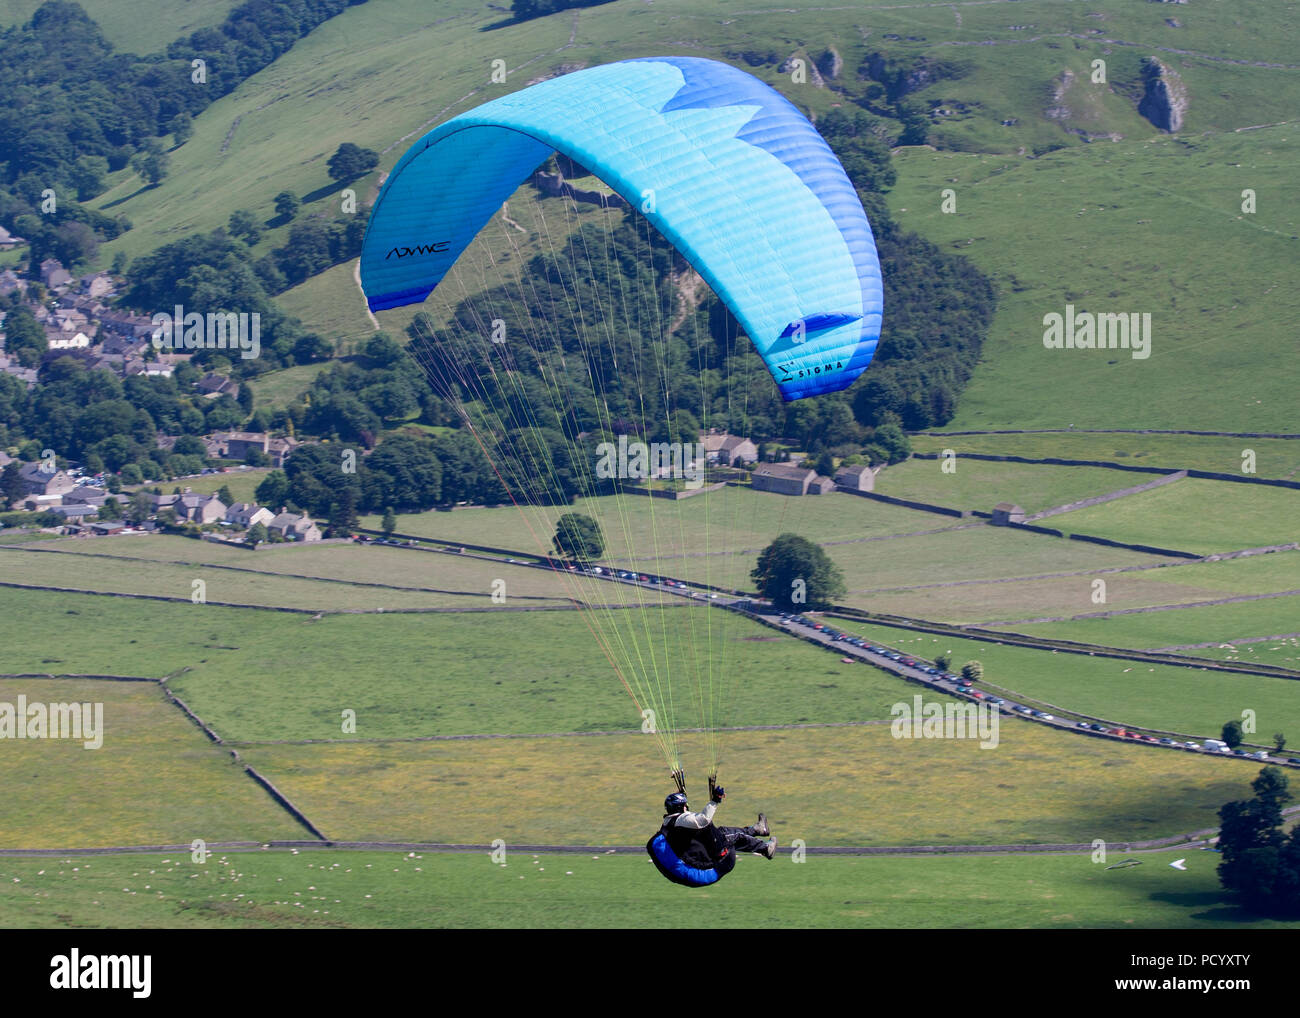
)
(795, 573)
(306, 252)
(404, 472)
(152, 166)
(312, 348)
(87, 176)
(110, 510)
(1279, 742)
(389, 523)
(256, 534)
(1260, 864)
(382, 351)
(138, 509)
(286, 205)
(875, 455)
(825, 465)
(11, 484)
(244, 225)
(351, 161)
(1232, 734)
(181, 128)
(894, 441)
(578, 537)
(343, 514)
(274, 490)
(24, 337)
(226, 496)
(943, 661)
(973, 671)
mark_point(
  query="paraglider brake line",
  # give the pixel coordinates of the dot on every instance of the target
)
(679, 776)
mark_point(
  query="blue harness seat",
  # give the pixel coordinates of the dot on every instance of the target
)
(672, 867)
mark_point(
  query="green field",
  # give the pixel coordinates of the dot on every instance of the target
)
(716, 538)
(1031, 596)
(1162, 697)
(730, 523)
(1274, 457)
(371, 568)
(829, 786)
(275, 390)
(981, 484)
(1285, 653)
(156, 780)
(983, 552)
(333, 890)
(352, 82)
(1206, 517)
(1274, 616)
(413, 676)
(76, 572)
(242, 484)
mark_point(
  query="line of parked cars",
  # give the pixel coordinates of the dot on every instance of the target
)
(965, 685)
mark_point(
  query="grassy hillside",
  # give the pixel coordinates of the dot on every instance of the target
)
(135, 26)
(1150, 225)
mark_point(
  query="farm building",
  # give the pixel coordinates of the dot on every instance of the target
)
(1007, 512)
(859, 478)
(784, 479)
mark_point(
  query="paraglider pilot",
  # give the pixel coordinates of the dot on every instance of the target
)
(690, 850)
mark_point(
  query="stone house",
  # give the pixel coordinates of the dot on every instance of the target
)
(200, 508)
(293, 527)
(726, 449)
(247, 514)
(42, 482)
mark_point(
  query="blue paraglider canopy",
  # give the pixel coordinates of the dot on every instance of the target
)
(722, 165)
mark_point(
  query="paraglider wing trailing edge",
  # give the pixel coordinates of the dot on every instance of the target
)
(722, 165)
